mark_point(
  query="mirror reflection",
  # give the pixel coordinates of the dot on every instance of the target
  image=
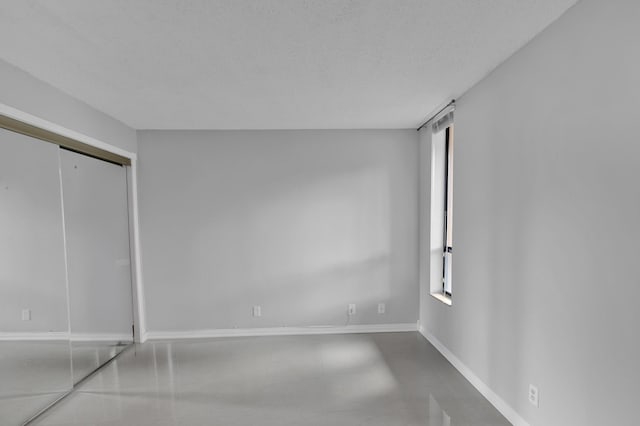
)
(97, 239)
(65, 275)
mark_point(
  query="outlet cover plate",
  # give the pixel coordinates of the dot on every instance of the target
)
(534, 396)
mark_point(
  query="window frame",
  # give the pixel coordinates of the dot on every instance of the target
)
(441, 210)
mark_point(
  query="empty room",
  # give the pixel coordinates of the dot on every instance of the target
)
(319, 212)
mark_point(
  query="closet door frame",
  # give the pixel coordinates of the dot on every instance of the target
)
(21, 122)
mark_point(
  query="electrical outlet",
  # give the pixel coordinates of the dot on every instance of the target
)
(534, 396)
(352, 309)
(257, 311)
(26, 315)
(382, 308)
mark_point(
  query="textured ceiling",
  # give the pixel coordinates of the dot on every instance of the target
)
(267, 64)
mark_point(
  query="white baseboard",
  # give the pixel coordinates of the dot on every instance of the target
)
(64, 336)
(504, 408)
(34, 336)
(101, 337)
(278, 331)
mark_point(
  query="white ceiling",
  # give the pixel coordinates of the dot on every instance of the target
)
(267, 64)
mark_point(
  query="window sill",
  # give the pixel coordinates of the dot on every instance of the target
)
(446, 299)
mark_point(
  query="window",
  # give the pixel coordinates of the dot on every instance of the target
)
(442, 208)
(448, 211)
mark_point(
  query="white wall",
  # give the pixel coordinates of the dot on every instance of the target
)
(299, 222)
(24, 92)
(547, 223)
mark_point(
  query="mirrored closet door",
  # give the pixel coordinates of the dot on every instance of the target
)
(35, 359)
(96, 222)
(65, 271)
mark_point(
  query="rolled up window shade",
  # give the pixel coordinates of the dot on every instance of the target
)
(442, 121)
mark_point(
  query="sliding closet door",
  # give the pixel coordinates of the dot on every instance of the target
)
(97, 239)
(35, 363)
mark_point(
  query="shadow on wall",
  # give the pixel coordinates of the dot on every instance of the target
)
(309, 242)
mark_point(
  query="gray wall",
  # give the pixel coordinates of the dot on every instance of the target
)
(299, 222)
(546, 223)
(22, 91)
